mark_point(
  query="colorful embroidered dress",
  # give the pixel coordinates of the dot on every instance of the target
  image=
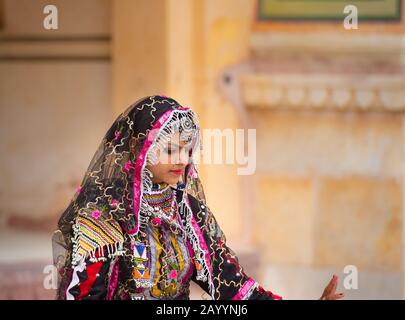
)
(124, 237)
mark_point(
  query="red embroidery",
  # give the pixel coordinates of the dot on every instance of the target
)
(269, 293)
(92, 271)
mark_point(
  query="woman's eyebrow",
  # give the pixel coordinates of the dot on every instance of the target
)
(177, 145)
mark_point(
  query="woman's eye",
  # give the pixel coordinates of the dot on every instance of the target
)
(170, 150)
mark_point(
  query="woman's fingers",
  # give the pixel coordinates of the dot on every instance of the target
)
(340, 295)
(329, 287)
(336, 296)
(330, 291)
(334, 283)
(327, 290)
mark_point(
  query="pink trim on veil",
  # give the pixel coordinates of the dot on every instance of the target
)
(244, 290)
(201, 239)
(140, 161)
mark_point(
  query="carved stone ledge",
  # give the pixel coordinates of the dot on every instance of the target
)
(55, 48)
(265, 44)
(323, 91)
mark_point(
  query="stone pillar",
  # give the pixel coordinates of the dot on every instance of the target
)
(139, 51)
(224, 41)
(152, 50)
(179, 48)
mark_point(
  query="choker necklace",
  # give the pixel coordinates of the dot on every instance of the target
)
(162, 201)
(161, 205)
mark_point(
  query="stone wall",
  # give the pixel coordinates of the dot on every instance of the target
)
(327, 106)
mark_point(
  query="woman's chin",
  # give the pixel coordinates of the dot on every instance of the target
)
(172, 180)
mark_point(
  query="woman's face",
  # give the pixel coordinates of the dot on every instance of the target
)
(172, 161)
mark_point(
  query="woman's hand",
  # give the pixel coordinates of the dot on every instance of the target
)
(330, 291)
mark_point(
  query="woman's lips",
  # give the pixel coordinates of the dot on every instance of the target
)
(177, 172)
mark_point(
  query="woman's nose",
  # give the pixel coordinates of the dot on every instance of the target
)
(183, 156)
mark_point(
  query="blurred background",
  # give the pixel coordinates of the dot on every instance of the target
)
(327, 103)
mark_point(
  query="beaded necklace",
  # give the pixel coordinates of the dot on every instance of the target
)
(161, 204)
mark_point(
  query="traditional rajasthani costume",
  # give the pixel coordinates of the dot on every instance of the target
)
(124, 237)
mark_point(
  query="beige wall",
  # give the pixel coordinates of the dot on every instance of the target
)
(331, 195)
(55, 98)
(328, 190)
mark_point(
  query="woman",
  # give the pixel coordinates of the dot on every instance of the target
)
(138, 227)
